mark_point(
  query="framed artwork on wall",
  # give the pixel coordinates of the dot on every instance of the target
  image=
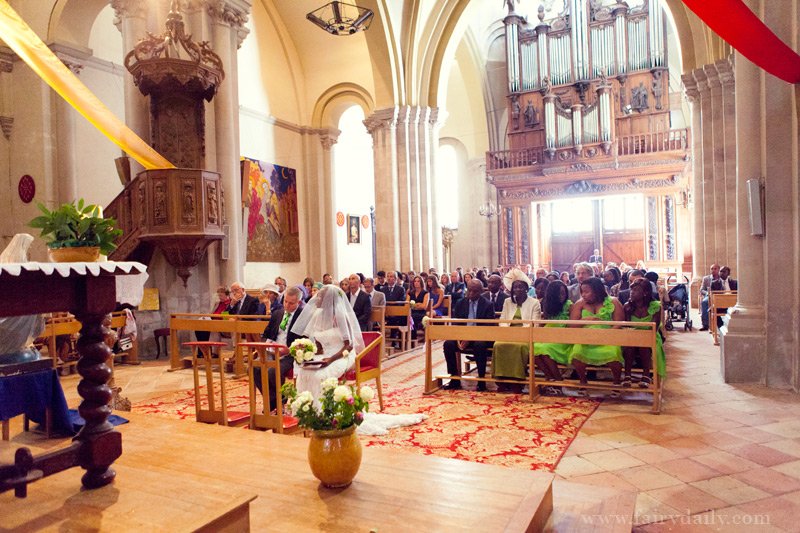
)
(273, 231)
(353, 229)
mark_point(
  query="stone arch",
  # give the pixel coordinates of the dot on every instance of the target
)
(333, 102)
(71, 20)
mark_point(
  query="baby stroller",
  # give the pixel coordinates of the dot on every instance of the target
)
(678, 308)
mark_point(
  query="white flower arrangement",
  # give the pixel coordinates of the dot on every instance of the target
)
(425, 321)
(412, 302)
(342, 392)
(302, 350)
(366, 393)
(329, 383)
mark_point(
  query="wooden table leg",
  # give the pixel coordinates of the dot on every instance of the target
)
(100, 444)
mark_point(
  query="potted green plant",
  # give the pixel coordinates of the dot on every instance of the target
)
(76, 232)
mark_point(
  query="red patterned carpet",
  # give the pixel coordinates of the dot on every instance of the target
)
(487, 427)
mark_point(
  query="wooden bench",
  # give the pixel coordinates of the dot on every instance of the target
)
(642, 335)
(717, 302)
(239, 326)
(398, 309)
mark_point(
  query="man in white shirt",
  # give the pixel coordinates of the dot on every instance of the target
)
(279, 330)
(583, 271)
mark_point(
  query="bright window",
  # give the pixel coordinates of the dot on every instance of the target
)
(447, 186)
(572, 216)
(621, 213)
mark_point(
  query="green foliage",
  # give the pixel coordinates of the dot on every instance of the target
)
(340, 406)
(72, 226)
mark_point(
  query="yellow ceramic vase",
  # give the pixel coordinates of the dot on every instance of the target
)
(335, 456)
(79, 254)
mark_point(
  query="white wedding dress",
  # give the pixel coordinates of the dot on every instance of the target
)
(310, 379)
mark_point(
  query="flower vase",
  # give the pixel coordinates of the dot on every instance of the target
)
(335, 456)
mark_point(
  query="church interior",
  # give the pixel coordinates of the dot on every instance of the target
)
(260, 151)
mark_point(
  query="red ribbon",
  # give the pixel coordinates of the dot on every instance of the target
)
(741, 28)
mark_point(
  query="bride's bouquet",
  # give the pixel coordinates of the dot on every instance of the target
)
(340, 406)
(303, 350)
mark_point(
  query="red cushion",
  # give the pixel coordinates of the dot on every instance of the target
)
(350, 375)
(290, 421)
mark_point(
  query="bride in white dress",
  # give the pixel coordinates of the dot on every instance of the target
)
(328, 320)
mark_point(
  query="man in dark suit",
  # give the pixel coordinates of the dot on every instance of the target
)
(496, 295)
(596, 257)
(362, 306)
(241, 302)
(456, 289)
(724, 283)
(393, 291)
(279, 330)
(474, 306)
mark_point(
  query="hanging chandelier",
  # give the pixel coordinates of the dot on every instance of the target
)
(338, 18)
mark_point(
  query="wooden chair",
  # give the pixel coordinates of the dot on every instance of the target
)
(161, 333)
(212, 414)
(368, 363)
(447, 305)
(717, 301)
(399, 309)
(267, 355)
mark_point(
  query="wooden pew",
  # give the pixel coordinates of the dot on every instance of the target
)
(239, 326)
(643, 335)
(398, 309)
(717, 301)
(379, 317)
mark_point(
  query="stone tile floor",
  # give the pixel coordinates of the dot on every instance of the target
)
(720, 457)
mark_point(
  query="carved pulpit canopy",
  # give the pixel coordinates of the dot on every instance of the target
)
(173, 58)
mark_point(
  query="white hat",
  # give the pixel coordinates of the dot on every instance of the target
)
(513, 275)
(270, 287)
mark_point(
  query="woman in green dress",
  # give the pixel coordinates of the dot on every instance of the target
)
(549, 355)
(594, 305)
(510, 359)
(643, 308)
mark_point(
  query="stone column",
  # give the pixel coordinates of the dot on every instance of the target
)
(404, 144)
(699, 262)
(707, 140)
(327, 139)
(717, 159)
(66, 154)
(724, 69)
(131, 20)
(743, 342)
(228, 18)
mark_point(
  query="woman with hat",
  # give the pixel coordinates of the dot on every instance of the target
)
(510, 359)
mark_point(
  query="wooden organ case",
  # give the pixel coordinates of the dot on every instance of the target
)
(589, 115)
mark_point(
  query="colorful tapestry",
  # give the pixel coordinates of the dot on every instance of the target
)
(273, 231)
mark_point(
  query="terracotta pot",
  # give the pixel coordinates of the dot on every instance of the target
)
(335, 456)
(77, 254)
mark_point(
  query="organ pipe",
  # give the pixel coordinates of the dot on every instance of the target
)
(621, 38)
(550, 121)
(512, 53)
(577, 126)
(541, 32)
(656, 23)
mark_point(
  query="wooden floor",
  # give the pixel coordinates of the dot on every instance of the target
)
(174, 475)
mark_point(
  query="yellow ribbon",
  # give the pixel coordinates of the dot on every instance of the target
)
(30, 48)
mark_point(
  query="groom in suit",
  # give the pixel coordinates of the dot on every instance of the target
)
(474, 306)
(279, 330)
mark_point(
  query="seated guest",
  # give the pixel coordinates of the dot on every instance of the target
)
(281, 283)
(316, 288)
(611, 277)
(724, 283)
(327, 279)
(541, 273)
(564, 277)
(376, 298)
(456, 289)
(595, 304)
(360, 302)
(552, 276)
(480, 275)
(549, 355)
(241, 302)
(444, 281)
(308, 284)
(496, 294)
(393, 290)
(435, 295)
(583, 271)
(624, 295)
(344, 284)
(468, 276)
(539, 288)
(643, 308)
(268, 299)
(380, 280)
(621, 286)
(279, 330)
(409, 280)
(419, 296)
(473, 307)
(660, 293)
(223, 301)
(510, 359)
